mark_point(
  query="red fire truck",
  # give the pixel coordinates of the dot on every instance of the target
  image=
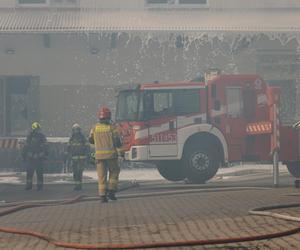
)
(190, 129)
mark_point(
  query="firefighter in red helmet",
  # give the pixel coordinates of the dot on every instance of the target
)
(106, 139)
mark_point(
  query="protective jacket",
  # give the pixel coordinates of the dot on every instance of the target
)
(78, 147)
(106, 139)
(35, 147)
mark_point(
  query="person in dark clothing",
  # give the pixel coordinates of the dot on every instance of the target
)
(78, 150)
(34, 154)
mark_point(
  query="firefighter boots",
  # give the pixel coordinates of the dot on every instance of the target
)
(103, 199)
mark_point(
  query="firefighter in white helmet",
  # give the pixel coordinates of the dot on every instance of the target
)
(78, 149)
(106, 139)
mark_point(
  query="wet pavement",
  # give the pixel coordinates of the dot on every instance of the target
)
(157, 211)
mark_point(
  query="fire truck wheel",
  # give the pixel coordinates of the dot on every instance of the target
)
(200, 164)
(294, 168)
(171, 170)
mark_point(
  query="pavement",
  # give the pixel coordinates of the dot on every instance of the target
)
(155, 210)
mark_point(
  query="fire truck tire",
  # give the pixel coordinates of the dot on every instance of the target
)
(200, 164)
(171, 170)
(294, 168)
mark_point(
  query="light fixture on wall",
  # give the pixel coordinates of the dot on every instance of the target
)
(10, 51)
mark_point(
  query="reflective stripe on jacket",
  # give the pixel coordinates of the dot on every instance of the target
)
(79, 157)
(103, 135)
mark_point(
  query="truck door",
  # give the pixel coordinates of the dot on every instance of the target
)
(235, 124)
(159, 105)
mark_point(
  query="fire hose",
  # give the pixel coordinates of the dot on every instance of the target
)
(59, 243)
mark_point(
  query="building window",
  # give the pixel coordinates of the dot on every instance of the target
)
(157, 1)
(54, 3)
(32, 1)
(192, 1)
(64, 2)
(176, 3)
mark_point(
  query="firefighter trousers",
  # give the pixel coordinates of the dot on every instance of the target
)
(104, 167)
(34, 166)
(78, 167)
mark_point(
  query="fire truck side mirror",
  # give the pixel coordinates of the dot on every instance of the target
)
(217, 105)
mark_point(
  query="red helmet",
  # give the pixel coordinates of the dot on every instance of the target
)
(104, 113)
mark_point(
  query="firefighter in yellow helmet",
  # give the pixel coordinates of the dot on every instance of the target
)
(106, 139)
(34, 153)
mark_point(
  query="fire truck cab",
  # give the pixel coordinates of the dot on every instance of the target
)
(190, 129)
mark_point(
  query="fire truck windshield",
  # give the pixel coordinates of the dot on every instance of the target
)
(128, 106)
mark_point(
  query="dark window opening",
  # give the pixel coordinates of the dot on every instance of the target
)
(113, 40)
(19, 104)
(179, 43)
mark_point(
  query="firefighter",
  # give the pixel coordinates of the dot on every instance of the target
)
(106, 139)
(77, 151)
(34, 154)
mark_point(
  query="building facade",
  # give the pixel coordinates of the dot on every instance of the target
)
(61, 59)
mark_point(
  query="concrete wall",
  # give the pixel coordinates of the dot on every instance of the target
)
(213, 4)
(79, 72)
(7, 3)
(253, 4)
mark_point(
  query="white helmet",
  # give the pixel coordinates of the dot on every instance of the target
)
(76, 127)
